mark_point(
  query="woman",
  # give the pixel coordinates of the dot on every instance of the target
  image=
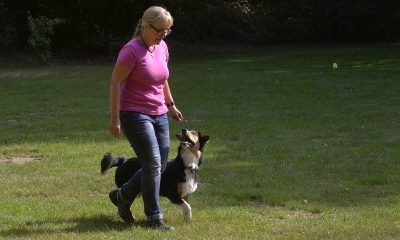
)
(139, 101)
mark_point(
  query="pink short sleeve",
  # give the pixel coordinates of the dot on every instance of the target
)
(128, 56)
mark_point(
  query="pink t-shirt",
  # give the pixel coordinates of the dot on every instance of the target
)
(143, 90)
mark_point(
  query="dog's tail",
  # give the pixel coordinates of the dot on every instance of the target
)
(108, 162)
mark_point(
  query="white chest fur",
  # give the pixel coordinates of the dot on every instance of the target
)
(192, 165)
(190, 185)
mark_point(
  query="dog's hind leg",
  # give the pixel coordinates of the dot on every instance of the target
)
(187, 210)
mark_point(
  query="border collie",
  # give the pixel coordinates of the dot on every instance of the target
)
(180, 176)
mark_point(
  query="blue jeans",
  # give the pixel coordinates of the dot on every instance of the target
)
(149, 137)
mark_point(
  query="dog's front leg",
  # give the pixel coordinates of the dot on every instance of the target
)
(187, 210)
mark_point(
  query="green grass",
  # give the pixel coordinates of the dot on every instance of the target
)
(298, 150)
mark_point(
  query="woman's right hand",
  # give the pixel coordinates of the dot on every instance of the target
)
(115, 127)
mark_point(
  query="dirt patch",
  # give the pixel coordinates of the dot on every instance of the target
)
(285, 210)
(12, 75)
(37, 73)
(17, 158)
(300, 213)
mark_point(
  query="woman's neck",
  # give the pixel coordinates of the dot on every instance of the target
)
(146, 43)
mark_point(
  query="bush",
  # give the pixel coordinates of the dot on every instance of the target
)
(41, 29)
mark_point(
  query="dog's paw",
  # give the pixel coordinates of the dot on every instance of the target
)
(187, 216)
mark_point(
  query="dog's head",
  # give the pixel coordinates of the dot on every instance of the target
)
(191, 147)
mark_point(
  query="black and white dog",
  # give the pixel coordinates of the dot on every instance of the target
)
(180, 176)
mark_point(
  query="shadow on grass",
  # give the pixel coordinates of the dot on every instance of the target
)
(100, 223)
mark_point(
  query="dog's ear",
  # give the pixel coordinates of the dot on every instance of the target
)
(179, 137)
(203, 141)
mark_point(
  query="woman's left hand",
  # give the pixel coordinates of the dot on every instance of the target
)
(175, 113)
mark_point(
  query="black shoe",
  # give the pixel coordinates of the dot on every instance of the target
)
(106, 163)
(124, 206)
(159, 225)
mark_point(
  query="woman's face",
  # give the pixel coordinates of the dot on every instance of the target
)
(156, 32)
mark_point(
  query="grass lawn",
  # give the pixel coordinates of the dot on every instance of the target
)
(298, 150)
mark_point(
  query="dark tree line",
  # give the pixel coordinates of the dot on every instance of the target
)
(91, 26)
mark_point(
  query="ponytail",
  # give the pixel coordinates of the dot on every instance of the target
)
(138, 29)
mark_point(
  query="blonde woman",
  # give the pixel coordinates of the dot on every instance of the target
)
(140, 98)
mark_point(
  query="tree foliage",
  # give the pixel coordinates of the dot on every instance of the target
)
(7, 28)
(91, 26)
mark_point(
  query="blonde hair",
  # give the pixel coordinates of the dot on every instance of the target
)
(152, 15)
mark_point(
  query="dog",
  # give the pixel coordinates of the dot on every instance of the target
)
(180, 176)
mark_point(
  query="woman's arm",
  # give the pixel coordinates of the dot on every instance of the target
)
(119, 75)
(175, 113)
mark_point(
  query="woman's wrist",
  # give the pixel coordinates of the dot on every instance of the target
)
(114, 117)
(170, 104)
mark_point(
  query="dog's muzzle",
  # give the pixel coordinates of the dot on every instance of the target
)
(185, 140)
